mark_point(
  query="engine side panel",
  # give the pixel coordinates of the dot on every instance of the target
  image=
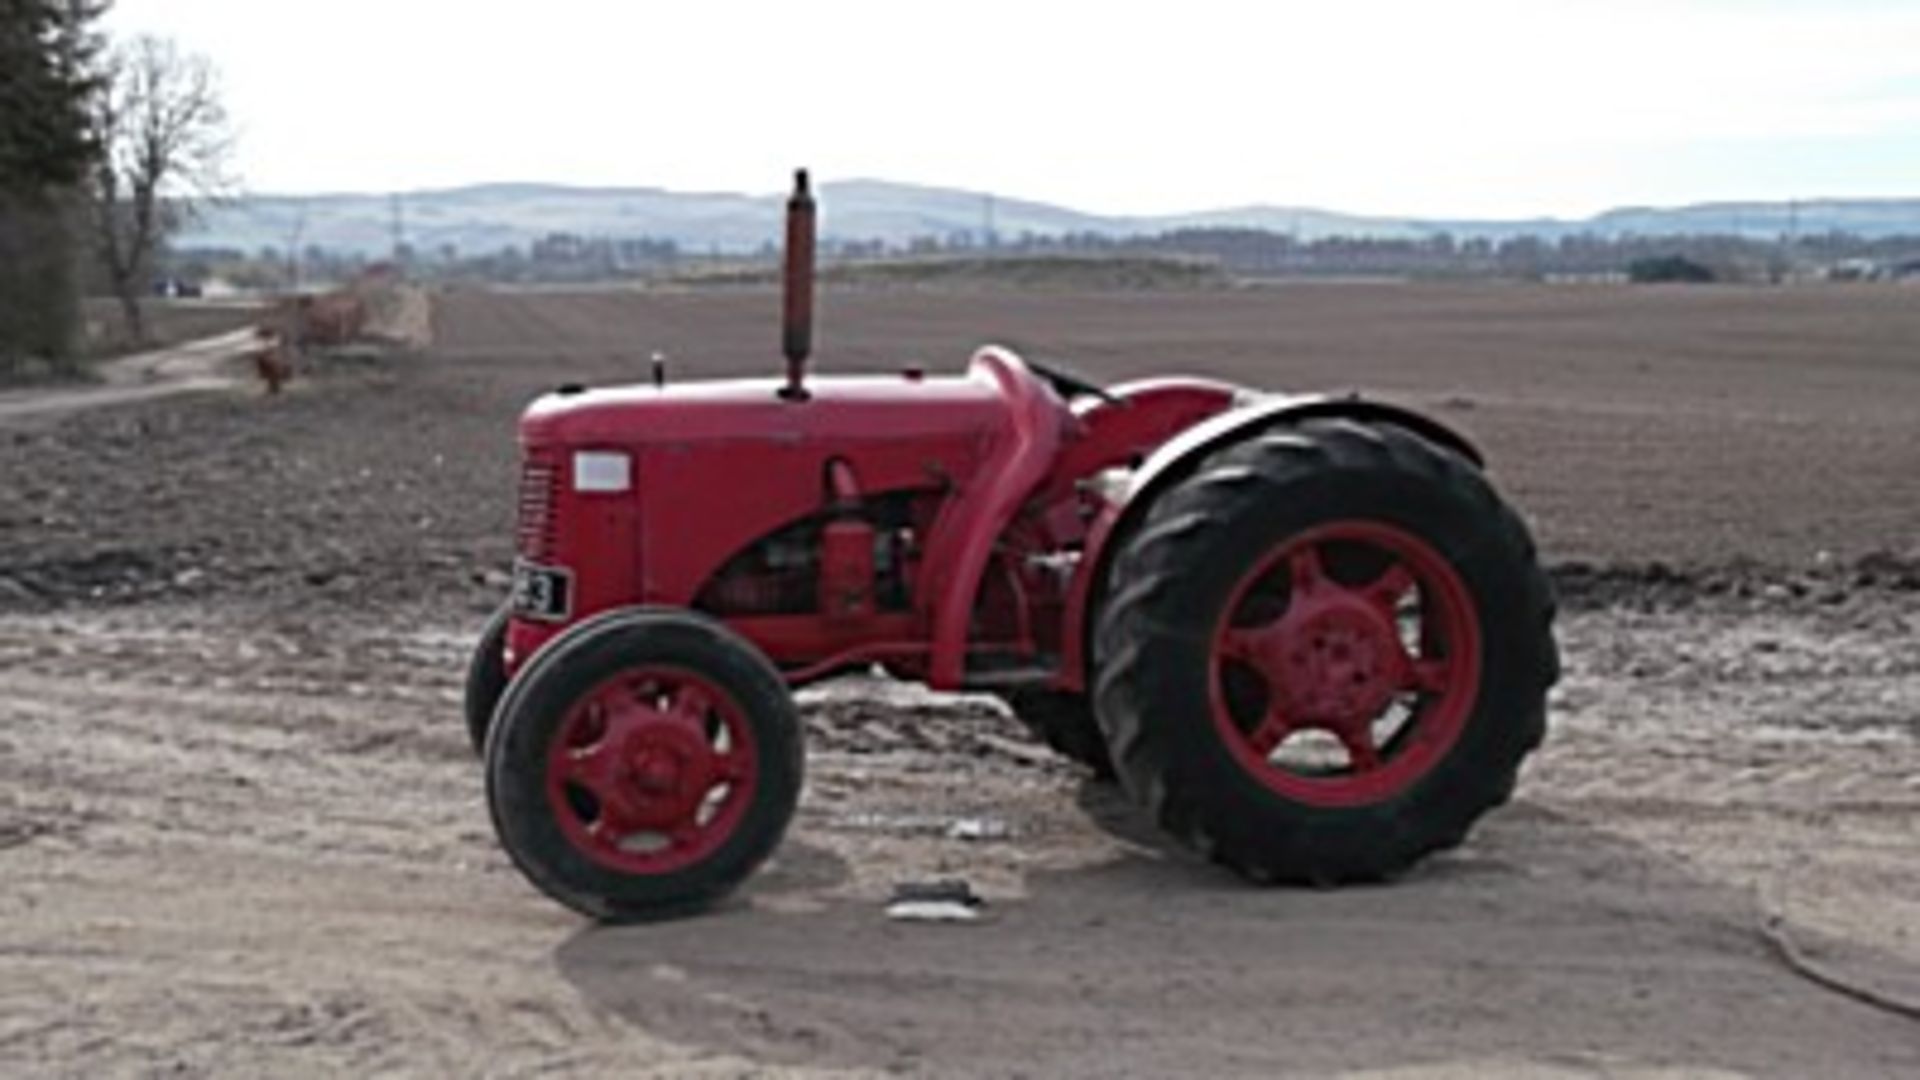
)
(718, 467)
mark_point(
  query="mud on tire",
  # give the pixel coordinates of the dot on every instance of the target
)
(1211, 663)
(1065, 723)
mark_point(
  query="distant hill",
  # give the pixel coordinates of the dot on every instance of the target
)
(488, 217)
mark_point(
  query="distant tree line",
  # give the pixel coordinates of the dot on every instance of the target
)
(566, 257)
(1669, 269)
(556, 258)
(1257, 253)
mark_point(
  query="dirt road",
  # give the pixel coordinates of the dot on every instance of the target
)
(246, 849)
(240, 833)
(182, 369)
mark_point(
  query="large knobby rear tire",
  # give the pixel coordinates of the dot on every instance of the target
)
(1065, 723)
(486, 680)
(1325, 653)
(644, 764)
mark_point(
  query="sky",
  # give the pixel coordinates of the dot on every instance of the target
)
(1445, 108)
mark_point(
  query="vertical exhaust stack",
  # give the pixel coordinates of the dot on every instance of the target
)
(797, 323)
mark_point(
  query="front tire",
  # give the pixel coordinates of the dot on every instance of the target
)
(1325, 653)
(644, 764)
(486, 680)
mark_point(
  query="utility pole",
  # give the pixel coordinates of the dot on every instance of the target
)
(1790, 242)
(294, 256)
(399, 230)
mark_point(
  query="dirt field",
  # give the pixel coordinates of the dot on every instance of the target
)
(240, 832)
(1674, 424)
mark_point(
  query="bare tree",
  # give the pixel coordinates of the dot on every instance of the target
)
(164, 142)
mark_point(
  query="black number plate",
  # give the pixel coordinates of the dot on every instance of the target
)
(542, 592)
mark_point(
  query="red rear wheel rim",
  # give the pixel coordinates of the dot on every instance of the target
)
(1345, 664)
(652, 770)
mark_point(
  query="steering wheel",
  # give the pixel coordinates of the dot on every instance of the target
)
(1068, 385)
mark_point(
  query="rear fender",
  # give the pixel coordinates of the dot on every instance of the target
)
(1136, 417)
(1177, 458)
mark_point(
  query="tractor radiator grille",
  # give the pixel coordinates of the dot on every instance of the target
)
(537, 533)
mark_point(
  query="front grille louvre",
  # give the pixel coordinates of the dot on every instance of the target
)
(537, 534)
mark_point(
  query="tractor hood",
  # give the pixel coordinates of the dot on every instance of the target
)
(869, 407)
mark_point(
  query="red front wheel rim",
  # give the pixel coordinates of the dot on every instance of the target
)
(1345, 664)
(652, 770)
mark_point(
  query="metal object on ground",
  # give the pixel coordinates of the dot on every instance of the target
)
(946, 900)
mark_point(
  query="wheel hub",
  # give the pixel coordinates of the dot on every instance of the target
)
(1334, 665)
(652, 770)
(1328, 649)
(655, 772)
(667, 768)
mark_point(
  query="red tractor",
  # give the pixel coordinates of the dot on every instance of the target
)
(1304, 633)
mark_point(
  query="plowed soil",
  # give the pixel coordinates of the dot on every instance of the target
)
(240, 832)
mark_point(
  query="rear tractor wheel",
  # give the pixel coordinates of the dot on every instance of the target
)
(1325, 653)
(644, 764)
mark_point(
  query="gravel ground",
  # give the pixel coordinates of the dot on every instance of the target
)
(262, 848)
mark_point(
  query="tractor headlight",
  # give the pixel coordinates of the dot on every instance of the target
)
(602, 471)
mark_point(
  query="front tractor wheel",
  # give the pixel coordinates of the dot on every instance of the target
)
(486, 679)
(644, 764)
(1325, 653)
